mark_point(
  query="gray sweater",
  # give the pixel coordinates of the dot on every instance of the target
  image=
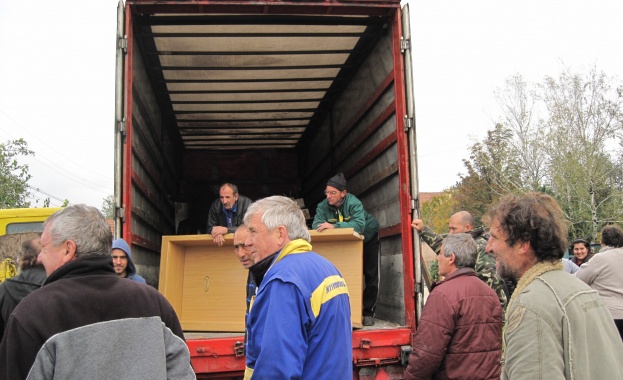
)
(603, 273)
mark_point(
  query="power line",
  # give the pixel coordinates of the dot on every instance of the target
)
(72, 179)
(47, 194)
(77, 179)
(53, 149)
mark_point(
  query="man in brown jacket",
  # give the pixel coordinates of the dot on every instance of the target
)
(460, 331)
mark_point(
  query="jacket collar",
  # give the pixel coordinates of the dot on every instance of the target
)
(83, 266)
(531, 274)
(465, 271)
(259, 269)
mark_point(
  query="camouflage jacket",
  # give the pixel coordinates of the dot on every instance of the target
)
(485, 263)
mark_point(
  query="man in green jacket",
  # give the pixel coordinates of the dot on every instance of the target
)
(557, 327)
(341, 209)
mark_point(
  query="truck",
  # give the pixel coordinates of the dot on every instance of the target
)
(276, 97)
(16, 226)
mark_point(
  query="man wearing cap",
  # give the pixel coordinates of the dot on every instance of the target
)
(122, 260)
(226, 213)
(341, 209)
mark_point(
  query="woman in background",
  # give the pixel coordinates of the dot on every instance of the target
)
(603, 273)
(581, 251)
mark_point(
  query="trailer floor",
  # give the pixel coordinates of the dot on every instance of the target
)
(378, 325)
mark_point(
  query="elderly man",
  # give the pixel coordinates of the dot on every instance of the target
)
(299, 324)
(226, 213)
(340, 209)
(86, 321)
(460, 331)
(463, 222)
(557, 327)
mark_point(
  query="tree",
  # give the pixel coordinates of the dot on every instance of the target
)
(585, 122)
(493, 169)
(517, 102)
(13, 175)
(436, 212)
(572, 150)
(108, 207)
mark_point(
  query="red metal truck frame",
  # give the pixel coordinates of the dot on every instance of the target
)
(222, 357)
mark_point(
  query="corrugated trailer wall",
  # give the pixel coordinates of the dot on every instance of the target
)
(359, 138)
(155, 167)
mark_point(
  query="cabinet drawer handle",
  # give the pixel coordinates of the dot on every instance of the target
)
(206, 284)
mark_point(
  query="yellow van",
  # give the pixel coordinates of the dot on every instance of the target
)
(20, 220)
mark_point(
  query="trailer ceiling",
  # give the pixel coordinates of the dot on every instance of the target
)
(251, 82)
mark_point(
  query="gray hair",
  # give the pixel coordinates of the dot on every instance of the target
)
(85, 226)
(233, 187)
(278, 211)
(464, 248)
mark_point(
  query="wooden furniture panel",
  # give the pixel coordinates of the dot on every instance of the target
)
(205, 283)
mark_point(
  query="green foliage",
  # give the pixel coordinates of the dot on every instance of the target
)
(436, 212)
(108, 207)
(434, 271)
(13, 175)
(493, 169)
(571, 150)
(585, 121)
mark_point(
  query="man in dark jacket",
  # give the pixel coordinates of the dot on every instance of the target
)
(226, 213)
(460, 331)
(341, 209)
(31, 277)
(85, 321)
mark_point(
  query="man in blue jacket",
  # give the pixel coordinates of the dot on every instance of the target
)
(299, 323)
(341, 209)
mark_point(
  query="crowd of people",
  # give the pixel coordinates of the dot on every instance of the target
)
(507, 305)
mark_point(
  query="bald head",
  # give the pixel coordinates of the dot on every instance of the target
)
(461, 222)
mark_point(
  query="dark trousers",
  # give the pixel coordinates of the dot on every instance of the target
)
(371, 260)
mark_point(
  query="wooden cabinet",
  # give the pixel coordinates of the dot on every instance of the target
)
(206, 283)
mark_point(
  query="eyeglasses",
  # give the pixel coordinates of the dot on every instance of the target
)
(331, 193)
(241, 245)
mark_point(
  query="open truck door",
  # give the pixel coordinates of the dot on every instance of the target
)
(119, 127)
(275, 97)
(410, 127)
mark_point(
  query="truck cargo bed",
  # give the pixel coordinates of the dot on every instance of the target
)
(275, 97)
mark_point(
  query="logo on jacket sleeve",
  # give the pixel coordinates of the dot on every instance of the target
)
(331, 287)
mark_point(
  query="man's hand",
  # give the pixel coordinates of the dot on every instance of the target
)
(325, 226)
(218, 239)
(217, 235)
(417, 224)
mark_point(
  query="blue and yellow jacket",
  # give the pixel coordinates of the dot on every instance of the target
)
(350, 214)
(299, 325)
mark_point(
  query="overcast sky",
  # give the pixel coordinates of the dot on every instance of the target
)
(58, 61)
